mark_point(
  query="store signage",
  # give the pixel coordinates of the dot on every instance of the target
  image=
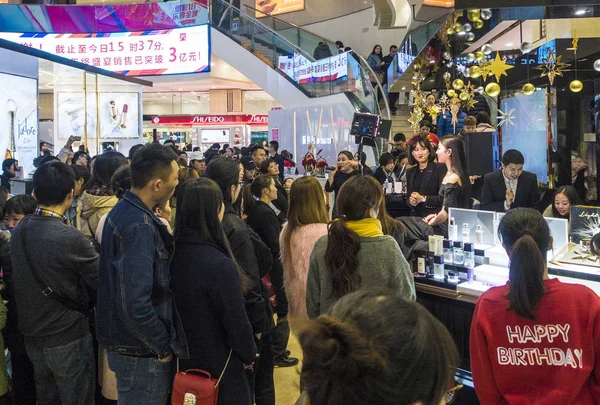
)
(304, 71)
(274, 7)
(144, 53)
(189, 120)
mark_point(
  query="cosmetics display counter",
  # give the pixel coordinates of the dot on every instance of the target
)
(452, 299)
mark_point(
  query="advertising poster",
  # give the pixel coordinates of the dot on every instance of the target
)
(119, 115)
(70, 115)
(19, 120)
(274, 7)
(158, 52)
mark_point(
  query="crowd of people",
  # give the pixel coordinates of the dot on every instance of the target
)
(116, 276)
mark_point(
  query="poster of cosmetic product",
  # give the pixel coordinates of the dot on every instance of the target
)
(19, 120)
(119, 115)
(71, 115)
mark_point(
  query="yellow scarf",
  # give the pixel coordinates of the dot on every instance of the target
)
(368, 227)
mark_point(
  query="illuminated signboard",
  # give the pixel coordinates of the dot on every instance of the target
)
(143, 53)
(274, 7)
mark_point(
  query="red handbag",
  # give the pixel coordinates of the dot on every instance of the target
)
(196, 387)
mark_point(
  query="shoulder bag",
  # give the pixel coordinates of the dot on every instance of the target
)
(196, 387)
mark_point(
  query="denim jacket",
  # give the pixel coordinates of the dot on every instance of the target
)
(135, 311)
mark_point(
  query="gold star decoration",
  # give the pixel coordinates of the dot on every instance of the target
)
(575, 41)
(434, 111)
(506, 117)
(485, 69)
(415, 117)
(552, 66)
(498, 67)
(470, 103)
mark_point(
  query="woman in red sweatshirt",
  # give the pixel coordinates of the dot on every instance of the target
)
(535, 340)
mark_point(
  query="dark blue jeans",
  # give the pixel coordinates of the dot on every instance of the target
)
(141, 381)
(64, 375)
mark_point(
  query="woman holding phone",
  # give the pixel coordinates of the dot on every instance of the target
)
(345, 169)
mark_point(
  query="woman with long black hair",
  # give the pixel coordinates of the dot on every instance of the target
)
(207, 288)
(535, 340)
(269, 167)
(356, 254)
(456, 185)
(345, 169)
(263, 220)
(226, 173)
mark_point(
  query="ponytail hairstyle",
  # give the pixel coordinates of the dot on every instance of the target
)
(253, 191)
(354, 202)
(377, 348)
(526, 238)
(458, 160)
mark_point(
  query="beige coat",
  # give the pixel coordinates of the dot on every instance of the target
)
(91, 208)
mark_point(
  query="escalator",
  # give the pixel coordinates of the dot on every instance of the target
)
(287, 50)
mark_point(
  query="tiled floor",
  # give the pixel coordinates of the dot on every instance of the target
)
(287, 380)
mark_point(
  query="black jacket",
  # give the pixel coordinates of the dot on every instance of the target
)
(257, 297)
(281, 203)
(208, 296)
(5, 180)
(493, 194)
(263, 220)
(430, 187)
(67, 263)
(281, 164)
(322, 51)
(380, 175)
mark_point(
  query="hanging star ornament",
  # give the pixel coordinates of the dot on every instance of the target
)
(415, 118)
(552, 66)
(443, 103)
(434, 111)
(498, 67)
(506, 117)
(485, 69)
(470, 103)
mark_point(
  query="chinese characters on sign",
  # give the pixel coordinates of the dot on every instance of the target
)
(304, 71)
(176, 51)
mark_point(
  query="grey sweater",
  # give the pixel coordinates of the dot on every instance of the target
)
(381, 266)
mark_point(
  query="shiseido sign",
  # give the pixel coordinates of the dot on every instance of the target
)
(188, 120)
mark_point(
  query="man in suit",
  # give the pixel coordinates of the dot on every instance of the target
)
(510, 187)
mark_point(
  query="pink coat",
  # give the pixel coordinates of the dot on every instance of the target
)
(295, 273)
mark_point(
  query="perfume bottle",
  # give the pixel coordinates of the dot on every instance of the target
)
(479, 234)
(469, 254)
(452, 229)
(448, 246)
(466, 233)
(458, 253)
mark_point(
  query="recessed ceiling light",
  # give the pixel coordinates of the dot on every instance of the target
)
(180, 89)
(581, 12)
(431, 80)
(461, 33)
(214, 87)
(509, 44)
(403, 88)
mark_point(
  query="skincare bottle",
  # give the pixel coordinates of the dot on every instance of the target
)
(479, 234)
(430, 265)
(452, 230)
(459, 254)
(438, 267)
(453, 277)
(469, 255)
(421, 265)
(470, 274)
(448, 246)
(466, 233)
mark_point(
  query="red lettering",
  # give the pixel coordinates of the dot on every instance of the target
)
(82, 48)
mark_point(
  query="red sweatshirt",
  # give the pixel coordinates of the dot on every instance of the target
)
(554, 359)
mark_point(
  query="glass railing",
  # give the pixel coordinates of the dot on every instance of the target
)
(288, 50)
(414, 42)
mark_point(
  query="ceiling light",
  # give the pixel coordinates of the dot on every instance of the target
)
(403, 88)
(461, 33)
(509, 44)
(180, 89)
(581, 12)
(214, 87)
